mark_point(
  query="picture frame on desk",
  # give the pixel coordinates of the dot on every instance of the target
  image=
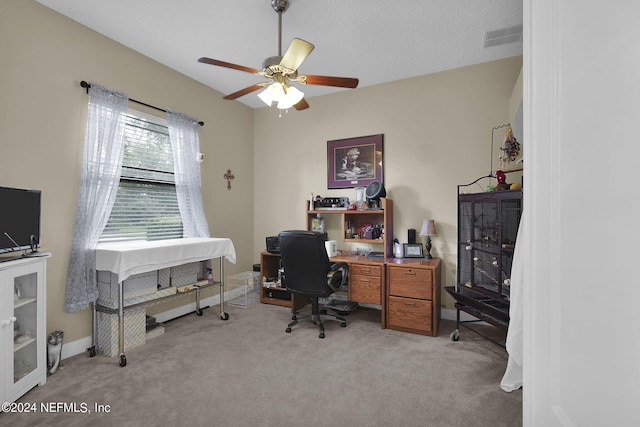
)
(317, 225)
(413, 250)
(354, 162)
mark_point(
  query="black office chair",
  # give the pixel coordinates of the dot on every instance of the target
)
(308, 272)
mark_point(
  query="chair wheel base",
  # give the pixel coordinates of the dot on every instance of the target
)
(316, 317)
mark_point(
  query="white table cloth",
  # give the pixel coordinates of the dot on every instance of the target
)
(128, 258)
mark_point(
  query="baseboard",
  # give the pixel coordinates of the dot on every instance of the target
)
(214, 300)
(81, 345)
(76, 347)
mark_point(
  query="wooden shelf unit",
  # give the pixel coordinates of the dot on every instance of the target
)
(269, 265)
(382, 217)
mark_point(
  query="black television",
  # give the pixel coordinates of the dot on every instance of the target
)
(19, 220)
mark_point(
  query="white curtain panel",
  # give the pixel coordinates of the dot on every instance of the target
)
(185, 142)
(99, 179)
(512, 379)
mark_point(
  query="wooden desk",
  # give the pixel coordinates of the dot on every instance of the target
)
(406, 290)
(367, 283)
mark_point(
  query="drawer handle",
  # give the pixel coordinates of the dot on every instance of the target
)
(367, 271)
(410, 274)
(365, 280)
(410, 305)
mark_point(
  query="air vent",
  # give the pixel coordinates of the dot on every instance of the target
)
(503, 36)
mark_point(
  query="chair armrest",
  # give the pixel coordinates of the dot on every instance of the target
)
(342, 267)
(339, 265)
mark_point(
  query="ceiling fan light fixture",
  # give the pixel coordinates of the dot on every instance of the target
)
(271, 94)
(284, 95)
(290, 97)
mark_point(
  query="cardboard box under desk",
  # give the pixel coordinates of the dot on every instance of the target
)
(135, 330)
(138, 286)
(180, 275)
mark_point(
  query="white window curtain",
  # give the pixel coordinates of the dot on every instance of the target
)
(183, 133)
(99, 179)
(513, 376)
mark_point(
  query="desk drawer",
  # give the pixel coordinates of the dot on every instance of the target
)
(364, 289)
(410, 282)
(410, 314)
(365, 270)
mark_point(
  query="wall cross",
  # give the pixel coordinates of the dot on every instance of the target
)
(228, 176)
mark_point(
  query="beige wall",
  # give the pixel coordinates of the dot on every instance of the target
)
(43, 118)
(437, 134)
(516, 96)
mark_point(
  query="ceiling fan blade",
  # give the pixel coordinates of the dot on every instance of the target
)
(347, 82)
(246, 90)
(296, 53)
(228, 65)
(301, 105)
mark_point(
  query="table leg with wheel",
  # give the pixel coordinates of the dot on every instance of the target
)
(223, 315)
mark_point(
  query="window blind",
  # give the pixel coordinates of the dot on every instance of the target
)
(146, 206)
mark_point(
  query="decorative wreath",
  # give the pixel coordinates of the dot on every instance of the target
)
(510, 147)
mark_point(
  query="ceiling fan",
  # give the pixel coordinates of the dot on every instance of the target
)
(282, 69)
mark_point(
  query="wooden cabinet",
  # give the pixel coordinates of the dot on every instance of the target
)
(270, 290)
(365, 283)
(23, 354)
(413, 295)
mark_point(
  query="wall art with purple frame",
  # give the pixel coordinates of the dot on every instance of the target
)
(354, 162)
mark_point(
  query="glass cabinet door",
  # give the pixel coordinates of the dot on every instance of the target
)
(23, 357)
(25, 325)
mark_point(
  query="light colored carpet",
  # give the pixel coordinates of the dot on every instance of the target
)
(247, 371)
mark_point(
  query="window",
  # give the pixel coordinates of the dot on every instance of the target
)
(146, 206)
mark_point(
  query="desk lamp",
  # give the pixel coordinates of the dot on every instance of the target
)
(428, 229)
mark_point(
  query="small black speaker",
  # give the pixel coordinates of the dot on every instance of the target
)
(411, 236)
(375, 190)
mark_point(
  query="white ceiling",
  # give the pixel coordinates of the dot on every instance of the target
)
(374, 40)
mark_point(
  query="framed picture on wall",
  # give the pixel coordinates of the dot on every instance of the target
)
(354, 162)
